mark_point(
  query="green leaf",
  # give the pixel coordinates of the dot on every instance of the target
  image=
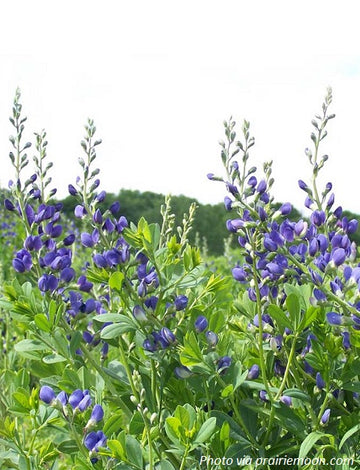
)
(216, 321)
(109, 317)
(348, 434)
(164, 465)
(188, 263)
(27, 289)
(183, 416)
(192, 414)
(117, 329)
(52, 309)
(225, 432)
(280, 317)
(172, 428)
(293, 306)
(206, 430)
(133, 451)
(144, 229)
(117, 449)
(42, 322)
(191, 353)
(68, 447)
(113, 424)
(227, 391)
(116, 280)
(239, 453)
(290, 420)
(136, 425)
(302, 292)
(239, 377)
(76, 339)
(310, 315)
(30, 348)
(53, 358)
(351, 386)
(309, 442)
(22, 398)
(296, 393)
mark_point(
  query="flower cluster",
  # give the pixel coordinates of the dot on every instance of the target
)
(280, 255)
(79, 401)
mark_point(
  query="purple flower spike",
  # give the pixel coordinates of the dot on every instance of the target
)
(101, 196)
(97, 217)
(320, 383)
(286, 208)
(115, 207)
(254, 372)
(181, 302)
(72, 190)
(97, 413)
(84, 403)
(346, 339)
(261, 187)
(9, 205)
(211, 338)
(47, 394)
(69, 240)
(80, 211)
(67, 274)
(318, 218)
(84, 284)
(223, 364)
(325, 417)
(228, 203)
(334, 318)
(87, 240)
(167, 336)
(94, 440)
(76, 397)
(286, 400)
(139, 314)
(62, 398)
(352, 226)
(302, 185)
(201, 324)
(99, 260)
(338, 256)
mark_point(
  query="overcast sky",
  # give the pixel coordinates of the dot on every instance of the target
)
(159, 78)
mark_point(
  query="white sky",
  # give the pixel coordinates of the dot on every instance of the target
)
(159, 78)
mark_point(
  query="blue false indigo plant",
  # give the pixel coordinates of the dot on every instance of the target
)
(121, 349)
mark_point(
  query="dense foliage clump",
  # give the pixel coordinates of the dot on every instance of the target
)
(125, 346)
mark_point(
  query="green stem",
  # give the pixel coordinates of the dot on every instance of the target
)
(79, 443)
(237, 414)
(101, 372)
(125, 363)
(323, 407)
(260, 334)
(183, 460)
(154, 389)
(287, 369)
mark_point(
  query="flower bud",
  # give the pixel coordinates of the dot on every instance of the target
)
(201, 324)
